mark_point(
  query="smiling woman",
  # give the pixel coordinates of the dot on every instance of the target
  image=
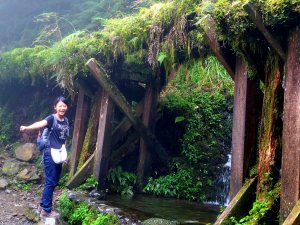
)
(58, 127)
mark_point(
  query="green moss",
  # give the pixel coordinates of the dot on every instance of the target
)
(142, 37)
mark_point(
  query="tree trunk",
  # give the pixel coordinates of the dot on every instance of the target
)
(270, 130)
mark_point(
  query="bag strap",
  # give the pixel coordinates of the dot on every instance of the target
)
(53, 124)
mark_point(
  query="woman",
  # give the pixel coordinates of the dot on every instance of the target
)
(57, 140)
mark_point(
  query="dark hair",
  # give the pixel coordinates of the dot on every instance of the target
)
(61, 99)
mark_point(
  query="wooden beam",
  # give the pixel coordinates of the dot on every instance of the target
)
(240, 204)
(79, 130)
(256, 17)
(86, 90)
(210, 36)
(125, 125)
(290, 180)
(294, 216)
(125, 149)
(103, 145)
(244, 129)
(120, 101)
(81, 175)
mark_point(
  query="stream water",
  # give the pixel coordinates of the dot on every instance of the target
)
(185, 212)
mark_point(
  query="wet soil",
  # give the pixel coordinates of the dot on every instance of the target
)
(14, 204)
(16, 207)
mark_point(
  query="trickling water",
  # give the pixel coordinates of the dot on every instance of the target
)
(222, 184)
(141, 207)
(184, 212)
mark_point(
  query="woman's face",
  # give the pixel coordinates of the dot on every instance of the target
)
(60, 108)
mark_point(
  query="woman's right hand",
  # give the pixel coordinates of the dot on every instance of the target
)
(23, 128)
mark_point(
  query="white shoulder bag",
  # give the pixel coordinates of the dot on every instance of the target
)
(59, 155)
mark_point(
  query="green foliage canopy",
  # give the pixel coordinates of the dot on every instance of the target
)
(162, 29)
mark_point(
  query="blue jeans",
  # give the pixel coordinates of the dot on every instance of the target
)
(52, 174)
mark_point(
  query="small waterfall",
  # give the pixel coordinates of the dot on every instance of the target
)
(222, 184)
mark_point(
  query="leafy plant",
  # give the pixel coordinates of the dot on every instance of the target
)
(200, 98)
(120, 181)
(65, 206)
(90, 182)
(23, 186)
(6, 126)
(181, 184)
(82, 213)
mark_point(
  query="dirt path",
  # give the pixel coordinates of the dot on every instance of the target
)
(14, 204)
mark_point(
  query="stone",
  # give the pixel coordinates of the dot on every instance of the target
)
(29, 174)
(10, 168)
(25, 152)
(3, 184)
(158, 221)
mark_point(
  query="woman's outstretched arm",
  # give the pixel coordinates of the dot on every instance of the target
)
(34, 126)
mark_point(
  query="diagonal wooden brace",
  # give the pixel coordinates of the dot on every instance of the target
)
(256, 18)
(102, 78)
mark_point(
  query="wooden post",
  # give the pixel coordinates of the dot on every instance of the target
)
(244, 129)
(79, 130)
(290, 180)
(90, 138)
(144, 164)
(102, 153)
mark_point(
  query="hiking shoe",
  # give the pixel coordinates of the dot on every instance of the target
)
(49, 214)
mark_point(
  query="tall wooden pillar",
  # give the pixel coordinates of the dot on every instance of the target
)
(79, 130)
(103, 145)
(144, 164)
(290, 180)
(245, 123)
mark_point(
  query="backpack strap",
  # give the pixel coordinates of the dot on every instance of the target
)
(68, 131)
(53, 124)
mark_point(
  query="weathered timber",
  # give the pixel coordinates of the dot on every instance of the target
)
(245, 124)
(79, 130)
(90, 137)
(82, 174)
(83, 86)
(290, 180)
(103, 145)
(294, 216)
(125, 149)
(210, 36)
(256, 17)
(116, 156)
(270, 129)
(125, 125)
(144, 164)
(120, 101)
(240, 205)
